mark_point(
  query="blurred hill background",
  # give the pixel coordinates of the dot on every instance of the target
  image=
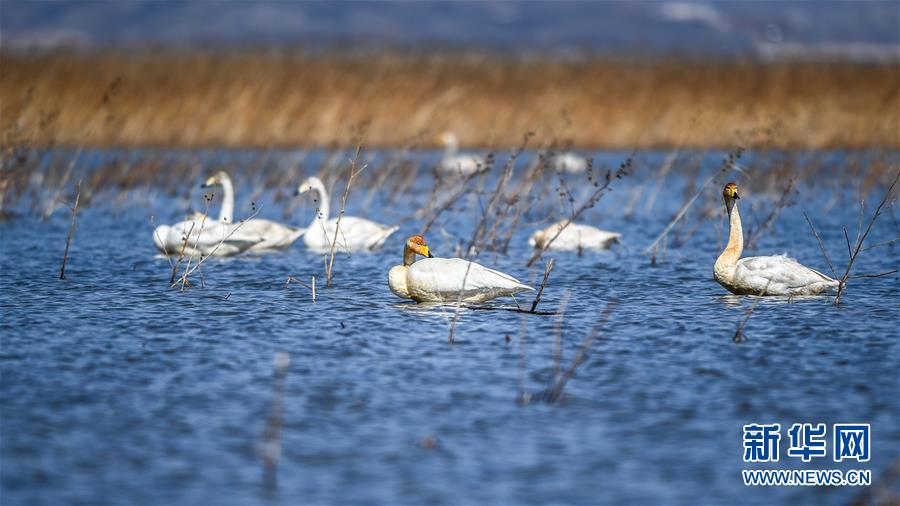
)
(603, 74)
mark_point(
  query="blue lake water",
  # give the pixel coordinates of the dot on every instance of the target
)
(117, 389)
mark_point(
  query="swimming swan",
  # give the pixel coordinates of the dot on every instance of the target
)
(275, 236)
(454, 163)
(442, 279)
(568, 162)
(770, 275)
(574, 237)
(207, 237)
(355, 234)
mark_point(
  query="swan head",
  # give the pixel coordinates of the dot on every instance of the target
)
(308, 184)
(447, 139)
(417, 246)
(304, 187)
(730, 194)
(216, 179)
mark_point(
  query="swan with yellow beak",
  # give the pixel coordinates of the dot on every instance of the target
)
(447, 279)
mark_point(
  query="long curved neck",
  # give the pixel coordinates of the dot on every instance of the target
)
(226, 213)
(735, 245)
(409, 256)
(451, 148)
(322, 211)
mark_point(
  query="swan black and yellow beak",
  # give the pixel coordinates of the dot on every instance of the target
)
(736, 196)
(425, 251)
(209, 183)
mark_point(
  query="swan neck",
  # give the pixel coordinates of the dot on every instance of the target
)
(226, 213)
(409, 256)
(322, 211)
(735, 245)
(452, 147)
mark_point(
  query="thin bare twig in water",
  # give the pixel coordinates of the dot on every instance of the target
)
(879, 275)
(779, 206)
(271, 447)
(821, 244)
(591, 202)
(158, 238)
(188, 270)
(729, 163)
(62, 270)
(557, 335)
(523, 397)
(738, 336)
(681, 212)
(207, 198)
(880, 244)
(463, 189)
(337, 224)
(537, 298)
(861, 239)
(481, 228)
(556, 392)
(509, 309)
(458, 303)
(181, 254)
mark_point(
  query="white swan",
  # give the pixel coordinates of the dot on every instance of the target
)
(454, 163)
(770, 275)
(568, 162)
(207, 237)
(442, 279)
(355, 233)
(573, 237)
(275, 236)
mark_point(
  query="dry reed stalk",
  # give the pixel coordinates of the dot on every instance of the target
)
(555, 393)
(187, 99)
(337, 225)
(860, 239)
(62, 269)
(782, 202)
(458, 304)
(537, 298)
(738, 336)
(729, 163)
(589, 203)
(188, 271)
(558, 333)
(821, 245)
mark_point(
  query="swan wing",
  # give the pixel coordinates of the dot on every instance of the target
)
(274, 234)
(442, 280)
(463, 164)
(355, 234)
(575, 236)
(210, 238)
(780, 275)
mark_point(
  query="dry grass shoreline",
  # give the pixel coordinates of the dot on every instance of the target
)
(268, 100)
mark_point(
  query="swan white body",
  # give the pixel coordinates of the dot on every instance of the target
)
(356, 234)
(568, 162)
(574, 237)
(205, 238)
(442, 280)
(455, 163)
(767, 275)
(274, 235)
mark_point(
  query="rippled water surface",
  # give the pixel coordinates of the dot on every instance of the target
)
(117, 389)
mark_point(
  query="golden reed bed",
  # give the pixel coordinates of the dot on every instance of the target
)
(259, 99)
